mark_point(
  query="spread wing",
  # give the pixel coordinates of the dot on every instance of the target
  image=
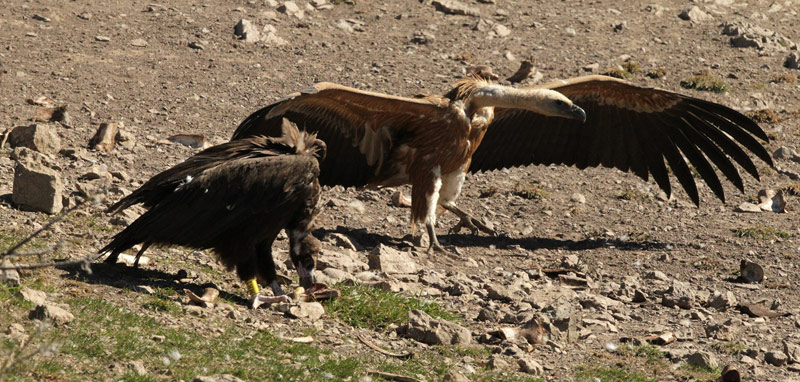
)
(235, 199)
(631, 128)
(361, 129)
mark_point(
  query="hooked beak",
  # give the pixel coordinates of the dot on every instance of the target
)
(577, 113)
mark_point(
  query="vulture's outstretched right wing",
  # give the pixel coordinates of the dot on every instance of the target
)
(630, 128)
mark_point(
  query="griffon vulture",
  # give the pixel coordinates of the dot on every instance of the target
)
(431, 142)
(234, 198)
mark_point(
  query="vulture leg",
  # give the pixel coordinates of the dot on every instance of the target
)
(468, 221)
(263, 265)
(139, 254)
(451, 188)
(424, 201)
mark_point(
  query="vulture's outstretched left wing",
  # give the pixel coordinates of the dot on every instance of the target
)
(630, 128)
(360, 128)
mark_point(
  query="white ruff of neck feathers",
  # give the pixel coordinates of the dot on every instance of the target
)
(505, 96)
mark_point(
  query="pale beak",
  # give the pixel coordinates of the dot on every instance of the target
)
(577, 113)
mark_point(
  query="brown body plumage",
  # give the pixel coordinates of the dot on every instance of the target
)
(233, 198)
(382, 140)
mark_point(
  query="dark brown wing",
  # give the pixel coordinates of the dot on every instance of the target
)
(239, 199)
(164, 183)
(630, 128)
(359, 128)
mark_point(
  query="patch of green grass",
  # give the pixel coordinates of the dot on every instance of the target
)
(373, 308)
(784, 79)
(761, 233)
(706, 81)
(652, 354)
(616, 73)
(529, 191)
(700, 373)
(160, 301)
(609, 374)
(657, 73)
(763, 116)
(730, 347)
(630, 194)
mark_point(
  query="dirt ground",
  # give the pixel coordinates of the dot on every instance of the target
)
(138, 64)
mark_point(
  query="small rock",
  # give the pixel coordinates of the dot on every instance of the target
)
(139, 43)
(342, 241)
(775, 358)
(722, 301)
(36, 297)
(497, 363)
(218, 378)
(657, 275)
(423, 38)
(501, 30)
(102, 38)
(137, 367)
(104, 139)
(702, 359)
(343, 261)
(195, 141)
(38, 188)
(453, 7)
(455, 376)
(499, 292)
(390, 260)
(578, 198)
(247, 31)
(680, 294)
(308, 310)
(746, 41)
(40, 137)
(487, 315)
(639, 296)
(197, 45)
(424, 328)
(792, 351)
(290, 8)
(528, 365)
(58, 316)
(8, 276)
(695, 15)
(125, 138)
(662, 339)
(97, 171)
(792, 61)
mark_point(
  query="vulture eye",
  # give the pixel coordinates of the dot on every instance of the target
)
(560, 102)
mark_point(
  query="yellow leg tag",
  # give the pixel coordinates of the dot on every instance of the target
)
(252, 286)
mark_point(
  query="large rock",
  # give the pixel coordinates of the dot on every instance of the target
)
(338, 260)
(247, 31)
(37, 187)
(792, 351)
(695, 15)
(217, 378)
(307, 310)
(792, 61)
(55, 314)
(454, 7)
(40, 137)
(8, 276)
(426, 329)
(390, 260)
(680, 294)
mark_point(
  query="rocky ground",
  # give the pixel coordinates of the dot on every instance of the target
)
(587, 264)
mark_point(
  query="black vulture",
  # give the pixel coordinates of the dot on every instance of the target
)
(234, 198)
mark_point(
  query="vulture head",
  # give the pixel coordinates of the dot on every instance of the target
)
(303, 254)
(302, 141)
(542, 101)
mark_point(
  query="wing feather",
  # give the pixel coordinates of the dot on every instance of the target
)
(360, 128)
(631, 128)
